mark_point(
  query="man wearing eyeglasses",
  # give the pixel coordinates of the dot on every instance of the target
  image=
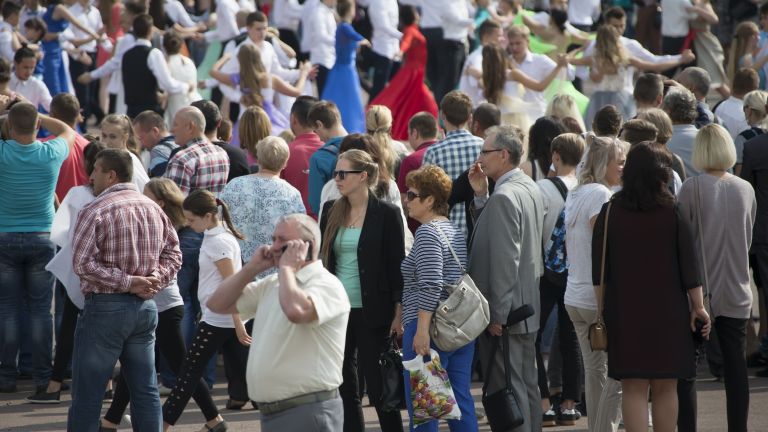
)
(505, 263)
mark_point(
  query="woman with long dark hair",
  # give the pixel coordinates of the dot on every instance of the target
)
(363, 246)
(540, 136)
(651, 280)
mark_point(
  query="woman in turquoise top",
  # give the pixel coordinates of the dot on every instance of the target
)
(363, 246)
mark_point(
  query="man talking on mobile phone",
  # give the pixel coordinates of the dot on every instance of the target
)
(299, 329)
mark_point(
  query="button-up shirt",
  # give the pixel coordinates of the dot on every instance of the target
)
(323, 41)
(91, 18)
(306, 24)
(33, 89)
(675, 18)
(431, 12)
(296, 170)
(6, 41)
(125, 43)
(156, 63)
(226, 23)
(537, 66)
(27, 14)
(455, 154)
(286, 14)
(199, 165)
(455, 20)
(384, 19)
(731, 115)
(122, 234)
(176, 13)
(469, 84)
(583, 12)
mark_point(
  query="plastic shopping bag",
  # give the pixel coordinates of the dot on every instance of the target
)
(431, 394)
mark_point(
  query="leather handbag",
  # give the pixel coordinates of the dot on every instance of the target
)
(502, 408)
(393, 388)
(463, 316)
(598, 333)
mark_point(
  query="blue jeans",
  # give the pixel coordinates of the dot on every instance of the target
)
(115, 327)
(24, 283)
(187, 278)
(458, 364)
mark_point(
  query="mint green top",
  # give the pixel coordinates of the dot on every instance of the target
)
(345, 248)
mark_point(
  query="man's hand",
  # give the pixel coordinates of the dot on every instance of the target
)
(295, 254)
(478, 180)
(4, 102)
(85, 78)
(262, 259)
(144, 286)
(494, 329)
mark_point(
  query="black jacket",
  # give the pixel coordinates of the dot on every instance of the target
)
(379, 253)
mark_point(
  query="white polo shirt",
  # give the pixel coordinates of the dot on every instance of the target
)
(218, 244)
(287, 359)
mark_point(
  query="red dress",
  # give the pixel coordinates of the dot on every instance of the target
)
(406, 94)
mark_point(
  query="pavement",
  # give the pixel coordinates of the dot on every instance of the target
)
(16, 415)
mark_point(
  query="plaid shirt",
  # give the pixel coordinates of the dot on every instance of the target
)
(455, 154)
(122, 234)
(199, 165)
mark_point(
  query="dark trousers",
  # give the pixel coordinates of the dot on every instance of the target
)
(66, 341)
(171, 344)
(382, 72)
(453, 54)
(207, 342)
(87, 94)
(434, 36)
(733, 335)
(291, 38)
(363, 347)
(572, 365)
(672, 46)
(321, 78)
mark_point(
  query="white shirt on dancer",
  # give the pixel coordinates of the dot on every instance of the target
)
(6, 41)
(431, 12)
(156, 63)
(323, 28)
(674, 18)
(226, 23)
(384, 18)
(176, 13)
(306, 24)
(583, 12)
(286, 14)
(91, 18)
(538, 66)
(469, 84)
(455, 20)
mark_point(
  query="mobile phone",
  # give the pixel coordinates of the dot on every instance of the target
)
(309, 252)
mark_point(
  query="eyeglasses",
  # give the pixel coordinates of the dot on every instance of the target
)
(490, 151)
(411, 195)
(342, 174)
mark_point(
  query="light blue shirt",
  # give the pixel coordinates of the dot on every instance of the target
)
(345, 248)
(28, 175)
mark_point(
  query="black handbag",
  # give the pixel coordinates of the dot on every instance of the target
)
(502, 408)
(393, 386)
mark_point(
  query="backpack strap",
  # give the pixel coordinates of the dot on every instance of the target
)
(560, 185)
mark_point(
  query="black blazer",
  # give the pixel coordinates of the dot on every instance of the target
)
(379, 253)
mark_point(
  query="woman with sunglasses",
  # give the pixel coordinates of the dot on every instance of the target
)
(363, 246)
(429, 267)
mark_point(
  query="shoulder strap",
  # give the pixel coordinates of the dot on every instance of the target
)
(505, 359)
(601, 288)
(700, 235)
(447, 242)
(560, 185)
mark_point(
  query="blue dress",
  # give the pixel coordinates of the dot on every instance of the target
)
(54, 75)
(343, 84)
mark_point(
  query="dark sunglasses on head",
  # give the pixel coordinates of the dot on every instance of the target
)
(342, 174)
(411, 195)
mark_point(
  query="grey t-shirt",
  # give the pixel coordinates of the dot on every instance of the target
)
(728, 208)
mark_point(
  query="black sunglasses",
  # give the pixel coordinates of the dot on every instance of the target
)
(490, 151)
(411, 195)
(342, 174)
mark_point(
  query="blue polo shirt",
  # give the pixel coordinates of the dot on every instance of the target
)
(28, 175)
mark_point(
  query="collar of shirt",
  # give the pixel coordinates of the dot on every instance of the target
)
(309, 271)
(425, 144)
(195, 141)
(504, 177)
(528, 58)
(118, 188)
(218, 229)
(456, 132)
(143, 42)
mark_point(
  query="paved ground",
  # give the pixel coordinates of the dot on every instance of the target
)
(15, 415)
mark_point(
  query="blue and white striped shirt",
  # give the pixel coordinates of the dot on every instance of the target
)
(429, 267)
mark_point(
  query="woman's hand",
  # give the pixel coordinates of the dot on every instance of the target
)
(397, 322)
(242, 334)
(421, 342)
(701, 314)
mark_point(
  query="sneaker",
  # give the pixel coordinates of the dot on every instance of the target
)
(127, 419)
(164, 391)
(43, 397)
(108, 395)
(549, 418)
(479, 413)
(568, 417)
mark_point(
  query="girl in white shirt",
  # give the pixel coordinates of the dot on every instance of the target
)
(117, 132)
(219, 258)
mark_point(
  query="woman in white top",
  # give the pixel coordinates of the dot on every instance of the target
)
(219, 259)
(757, 120)
(182, 69)
(600, 176)
(117, 132)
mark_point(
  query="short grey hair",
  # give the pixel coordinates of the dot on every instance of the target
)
(195, 116)
(507, 138)
(272, 153)
(309, 228)
(697, 79)
(680, 104)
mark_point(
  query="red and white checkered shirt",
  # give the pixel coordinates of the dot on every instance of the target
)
(122, 234)
(199, 165)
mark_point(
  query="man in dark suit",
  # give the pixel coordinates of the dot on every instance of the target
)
(505, 263)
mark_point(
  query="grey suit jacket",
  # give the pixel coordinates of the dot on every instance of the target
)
(505, 259)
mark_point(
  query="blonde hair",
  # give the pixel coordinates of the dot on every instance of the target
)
(287, 135)
(168, 192)
(272, 153)
(253, 75)
(378, 123)
(741, 35)
(254, 126)
(518, 30)
(602, 151)
(659, 118)
(564, 105)
(610, 54)
(713, 148)
(123, 122)
(756, 101)
(338, 213)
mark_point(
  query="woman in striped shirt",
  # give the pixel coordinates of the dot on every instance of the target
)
(426, 270)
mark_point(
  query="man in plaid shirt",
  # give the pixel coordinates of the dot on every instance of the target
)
(199, 164)
(125, 251)
(459, 150)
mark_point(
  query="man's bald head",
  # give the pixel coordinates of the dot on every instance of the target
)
(189, 123)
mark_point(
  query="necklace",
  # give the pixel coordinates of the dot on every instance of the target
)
(353, 224)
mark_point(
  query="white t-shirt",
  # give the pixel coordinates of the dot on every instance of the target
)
(286, 359)
(583, 203)
(140, 176)
(218, 244)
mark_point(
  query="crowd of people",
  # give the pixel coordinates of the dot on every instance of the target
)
(297, 184)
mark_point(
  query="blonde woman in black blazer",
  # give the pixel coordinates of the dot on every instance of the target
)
(363, 246)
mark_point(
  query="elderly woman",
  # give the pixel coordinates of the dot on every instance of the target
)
(643, 226)
(258, 200)
(426, 271)
(713, 197)
(680, 105)
(757, 119)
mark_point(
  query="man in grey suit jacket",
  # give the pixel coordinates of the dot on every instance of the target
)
(505, 261)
